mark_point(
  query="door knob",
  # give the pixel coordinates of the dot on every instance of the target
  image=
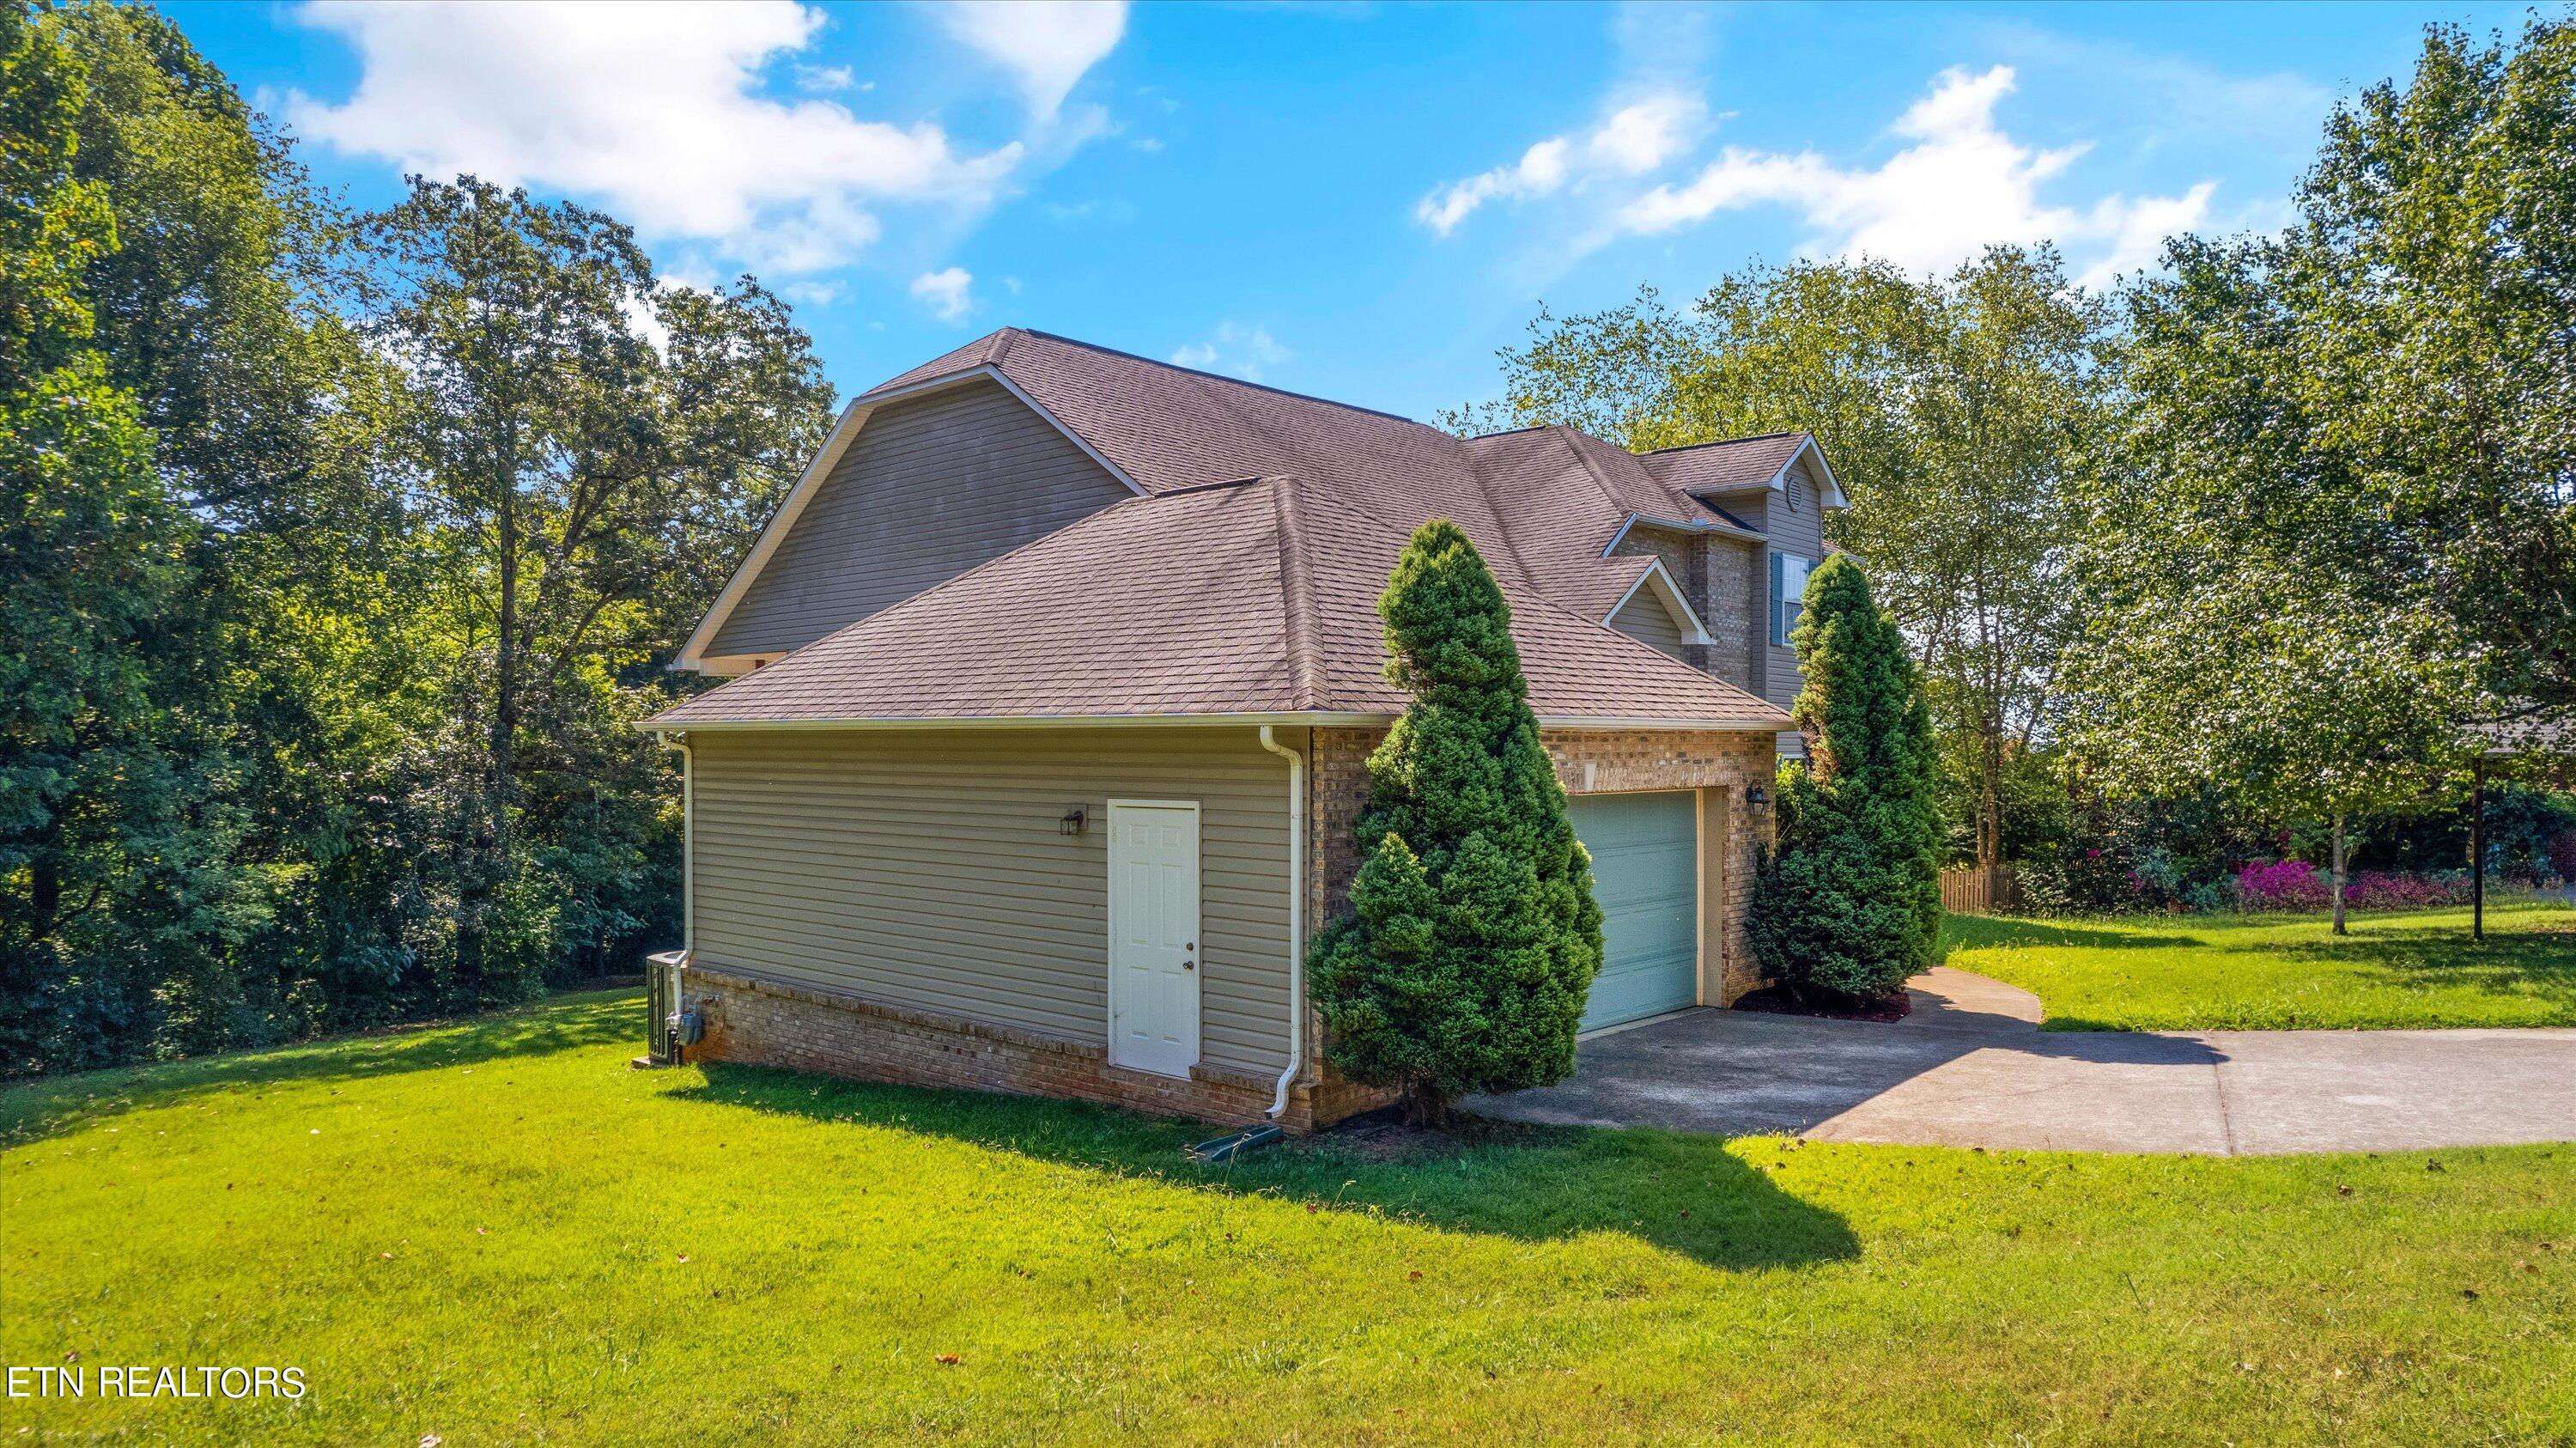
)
(1189, 965)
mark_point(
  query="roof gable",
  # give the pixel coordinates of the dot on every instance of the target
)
(743, 624)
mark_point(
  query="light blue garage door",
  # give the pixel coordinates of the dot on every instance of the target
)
(1645, 871)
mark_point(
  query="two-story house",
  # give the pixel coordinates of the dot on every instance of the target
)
(1052, 684)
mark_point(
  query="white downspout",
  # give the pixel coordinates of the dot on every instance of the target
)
(688, 846)
(1296, 916)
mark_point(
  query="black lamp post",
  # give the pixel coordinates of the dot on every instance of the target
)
(2478, 848)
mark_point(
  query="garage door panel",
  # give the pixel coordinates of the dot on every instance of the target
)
(1645, 873)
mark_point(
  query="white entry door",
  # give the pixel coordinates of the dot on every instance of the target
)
(1154, 935)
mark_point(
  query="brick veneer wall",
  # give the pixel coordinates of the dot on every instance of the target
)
(763, 1022)
(1588, 761)
(1728, 583)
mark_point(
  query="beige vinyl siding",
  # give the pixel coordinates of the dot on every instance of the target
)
(925, 869)
(928, 489)
(1645, 618)
(1794, 519)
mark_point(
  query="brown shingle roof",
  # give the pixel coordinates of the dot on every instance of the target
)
(1178, 602)
(1716, 467)
(1257, 598)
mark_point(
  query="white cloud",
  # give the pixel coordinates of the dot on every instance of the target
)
(1638, 138)
(826, 78)
(1961, 185)
(945, 292)
(652, 111)
(1234, 348)
(1045, 44)
(1633, 140)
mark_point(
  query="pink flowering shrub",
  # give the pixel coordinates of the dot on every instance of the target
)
(2298, 885)
(2289, 885)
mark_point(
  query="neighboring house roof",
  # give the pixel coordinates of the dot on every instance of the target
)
(1165, 605)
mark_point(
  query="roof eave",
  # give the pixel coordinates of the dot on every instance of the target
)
(1312, 718)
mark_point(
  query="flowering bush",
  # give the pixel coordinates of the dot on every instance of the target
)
(2298, 885)
(2289, 885)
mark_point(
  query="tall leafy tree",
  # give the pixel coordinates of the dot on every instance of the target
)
(2430, 341)
(1474, 936)
(1848, 903)
(1956, 410)
(223, 312)
(2338, 518)
(116, 885)
(572, 471)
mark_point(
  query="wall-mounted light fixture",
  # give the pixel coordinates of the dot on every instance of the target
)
(1072, 822)
(1755, 795)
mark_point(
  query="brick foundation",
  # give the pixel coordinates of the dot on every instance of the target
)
(758, 1021)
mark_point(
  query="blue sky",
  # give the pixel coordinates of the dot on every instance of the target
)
(1361, 201)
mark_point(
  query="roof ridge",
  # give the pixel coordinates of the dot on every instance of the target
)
(1728, 441)
(1566, 435)
(1220, 377)
(998, 346)
(1297, 596)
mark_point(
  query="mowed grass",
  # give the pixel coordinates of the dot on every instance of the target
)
(497, 1232)
(2270, 972)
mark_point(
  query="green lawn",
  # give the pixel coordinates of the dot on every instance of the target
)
(496, 1231)
(2270, 972)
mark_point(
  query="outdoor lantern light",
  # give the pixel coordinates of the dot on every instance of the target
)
(1756, 796)
(1071, 824)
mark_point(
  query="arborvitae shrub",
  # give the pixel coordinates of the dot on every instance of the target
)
(1474, 937)
(1848, 903)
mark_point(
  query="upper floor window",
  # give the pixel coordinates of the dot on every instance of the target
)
(1788, 592)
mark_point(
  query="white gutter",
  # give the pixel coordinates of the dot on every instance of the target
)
(1680, 525)
(1296, 916)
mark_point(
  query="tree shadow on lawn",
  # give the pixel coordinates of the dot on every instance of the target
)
(2532, 963)
(46, 1106)
(2007, 932)
(1683, 1194)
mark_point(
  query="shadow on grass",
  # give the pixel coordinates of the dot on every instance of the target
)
(2539, 964)
(34, 1110)
(1684, 1194)
(2005, 932)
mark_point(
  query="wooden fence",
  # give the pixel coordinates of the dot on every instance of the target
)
(1971, 891)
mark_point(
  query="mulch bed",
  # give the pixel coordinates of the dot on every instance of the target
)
(1382, 1135)
(1779, 1000)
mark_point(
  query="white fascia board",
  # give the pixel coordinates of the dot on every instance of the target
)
(1660, 578)
(1833, 490)
(853, 418)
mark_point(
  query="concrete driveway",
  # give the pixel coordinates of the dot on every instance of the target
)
(1970, 1067)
